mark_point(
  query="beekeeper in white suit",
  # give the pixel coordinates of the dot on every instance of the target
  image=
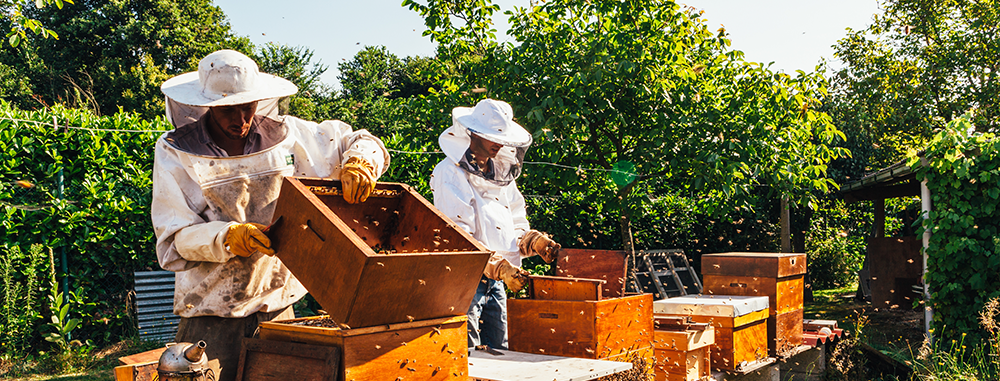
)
(475, 186)
(216, 178)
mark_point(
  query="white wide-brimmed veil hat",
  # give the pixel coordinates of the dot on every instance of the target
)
(226, 78)
(493, 120)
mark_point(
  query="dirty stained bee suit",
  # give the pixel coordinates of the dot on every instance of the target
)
(486, 203)
(199, 192)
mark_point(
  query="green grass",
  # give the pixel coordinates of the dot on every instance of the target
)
(96, 365)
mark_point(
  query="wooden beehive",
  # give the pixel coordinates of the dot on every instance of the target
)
(435, 349)
(740, 324)
(393, 258)
(683, 351)
(607, 265)
(779, 276)
(569, 317)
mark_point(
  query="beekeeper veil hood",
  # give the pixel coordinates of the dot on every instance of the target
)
(224, 78)
(491, 120)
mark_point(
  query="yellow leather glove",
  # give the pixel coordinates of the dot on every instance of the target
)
(535, 242)
(515, 278)
(245, 239)
(358, 179)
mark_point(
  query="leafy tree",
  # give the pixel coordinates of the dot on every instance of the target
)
(645, 91)
(115, 54)
(919, 65)
(21, 24)
(315, 100)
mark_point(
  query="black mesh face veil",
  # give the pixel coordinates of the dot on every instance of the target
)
(506, 165)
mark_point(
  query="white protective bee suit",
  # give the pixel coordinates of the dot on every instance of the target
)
(487, 204)
(197, 197)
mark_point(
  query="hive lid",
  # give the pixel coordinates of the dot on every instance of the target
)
(769, 265)
(711, 305)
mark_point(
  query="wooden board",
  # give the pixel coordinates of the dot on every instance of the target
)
(137, 371)
(264, 360)
(517, 366)
(608, 265)
(784, 294)
(771, 265)
(149, 356)
(330, 247)
(585, 329)
(784, 332)
(560, 288)
(433, 349)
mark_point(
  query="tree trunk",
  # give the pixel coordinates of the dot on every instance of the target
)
(625, 221)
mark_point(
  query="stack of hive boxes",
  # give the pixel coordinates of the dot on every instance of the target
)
(779, 276)
(569, 317)
(682, 349)
(740, 324)
(395, 275)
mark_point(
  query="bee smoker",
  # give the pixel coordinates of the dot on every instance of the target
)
(185, 362)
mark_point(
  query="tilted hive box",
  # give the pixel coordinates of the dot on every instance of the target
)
(391, 259)
(779, 276)
(740, 325)
(568, 317)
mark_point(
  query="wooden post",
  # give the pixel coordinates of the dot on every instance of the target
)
(786, 229)
(878, 228)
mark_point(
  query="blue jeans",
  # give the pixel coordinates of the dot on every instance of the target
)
(488, 315)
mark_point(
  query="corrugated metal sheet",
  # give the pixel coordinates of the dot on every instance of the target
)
(154, 305)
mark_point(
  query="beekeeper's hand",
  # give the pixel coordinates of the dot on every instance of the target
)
(515, 278)
(358, 179)
(537, 243)
(245, 239)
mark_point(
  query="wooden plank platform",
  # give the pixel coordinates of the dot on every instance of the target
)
(513, 366)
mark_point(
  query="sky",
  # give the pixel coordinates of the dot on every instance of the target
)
(794, 35)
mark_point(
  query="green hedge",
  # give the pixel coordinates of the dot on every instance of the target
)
(102, 221)
(963, 174)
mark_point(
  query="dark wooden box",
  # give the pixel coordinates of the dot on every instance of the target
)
(607, 265)
(740, 324)
(588, 327)
(265, 360)
(394, 258)
(779, 276)
(435, 349)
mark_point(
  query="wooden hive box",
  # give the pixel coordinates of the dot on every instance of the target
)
(393, 258)
(435, 349)
(607, 265)
(683, 351)
(779, 276)
(569, 317)
(740, 324)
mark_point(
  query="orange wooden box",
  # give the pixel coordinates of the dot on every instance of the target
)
(607, 265)
(683, 355)
(338, 251)
(740, 324)
(435, 349)
(779, 276)
(569, 317)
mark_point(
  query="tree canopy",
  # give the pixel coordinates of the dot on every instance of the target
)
(643, 89)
